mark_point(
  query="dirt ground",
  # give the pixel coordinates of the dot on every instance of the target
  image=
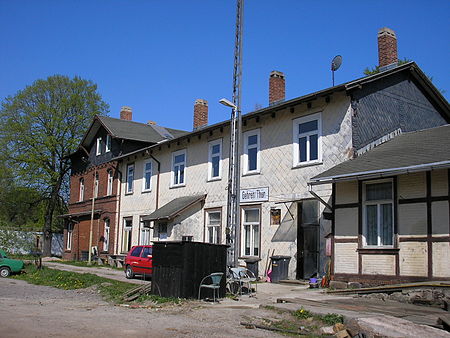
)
(38, 311)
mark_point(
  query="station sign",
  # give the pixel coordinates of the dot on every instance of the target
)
(254, 195)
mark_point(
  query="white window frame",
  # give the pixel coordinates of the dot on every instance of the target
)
(128, 229)
(129, 187)
(252, 232)
(246, 135)
(176, 172)
(110, 183)
(99, 146)
(210, 160)
(144, 236)
(296, 135)
(108, 144)
(106, 232)
(215, 228)
(378, 203)
(69, 236)
(144, 176)
(81, 192)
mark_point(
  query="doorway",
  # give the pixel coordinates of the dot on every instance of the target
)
(307, 239)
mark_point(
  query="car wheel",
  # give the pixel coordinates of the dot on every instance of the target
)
(5, 272)
(129, 272)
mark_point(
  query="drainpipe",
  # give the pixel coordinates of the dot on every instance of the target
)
(92, 218)
(157, 184)
(119, 195)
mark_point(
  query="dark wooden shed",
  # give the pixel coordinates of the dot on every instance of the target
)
(179, 267)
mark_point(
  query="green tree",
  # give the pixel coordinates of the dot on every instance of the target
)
(376, 69)
(40, 126)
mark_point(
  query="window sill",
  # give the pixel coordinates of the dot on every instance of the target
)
(306, 164)
(129, 193)
(177, 186)
(251, 173)
(378, 250)
(146, 191)
(214, 179)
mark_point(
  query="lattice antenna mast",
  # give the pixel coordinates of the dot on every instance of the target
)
(233, 212)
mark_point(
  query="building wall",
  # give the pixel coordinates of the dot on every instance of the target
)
(106, 204)
(421, 248)
(384, 107)
(285, 183)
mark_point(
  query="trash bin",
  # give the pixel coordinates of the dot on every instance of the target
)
(280, 268)
(252, 265)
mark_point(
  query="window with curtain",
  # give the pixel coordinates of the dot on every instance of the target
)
(251, 228)
(378, 214)
(213, 219)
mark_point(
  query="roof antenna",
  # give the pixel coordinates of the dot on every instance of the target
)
(335, 64)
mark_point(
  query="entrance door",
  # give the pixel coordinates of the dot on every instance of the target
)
(307, 239)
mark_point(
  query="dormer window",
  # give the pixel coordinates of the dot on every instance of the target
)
(99, 146)
(108, 144)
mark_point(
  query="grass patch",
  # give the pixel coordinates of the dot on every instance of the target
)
(22, 256)
(328, 319)
(87, 265)
(111, 290)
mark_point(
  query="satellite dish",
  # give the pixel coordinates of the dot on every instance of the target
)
(335, 64)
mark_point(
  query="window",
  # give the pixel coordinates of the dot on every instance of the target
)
(251, 225)
(136, 251)
(162, 230)
(99, 146)
(144, 238)
(251, 152)
(307, 139)
(275, 216)
(213, 220)
(108, 144)
(126, 235)
(178, 168)
(110, 182)
(81, 195)
(69, 236)
(96, 185)
(378, 214)
(147, 251)
(147, 175)
(215, 160)
(130, 178)
(106, 236)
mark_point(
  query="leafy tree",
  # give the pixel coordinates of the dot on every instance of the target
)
(376, 69)
(40, 126)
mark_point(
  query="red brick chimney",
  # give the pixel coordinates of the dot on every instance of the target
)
(277, 87)
(126, 113)
(387, 47)
(200, 113)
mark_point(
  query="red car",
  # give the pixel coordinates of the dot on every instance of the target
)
(139, 261)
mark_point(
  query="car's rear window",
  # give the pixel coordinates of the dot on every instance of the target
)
(147, 251)
(136, 251)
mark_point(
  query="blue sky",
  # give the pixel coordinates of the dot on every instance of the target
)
(159, 56)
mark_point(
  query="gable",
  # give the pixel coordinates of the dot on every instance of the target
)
(390, 106)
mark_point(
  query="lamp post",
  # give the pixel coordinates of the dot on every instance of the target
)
(233, 198)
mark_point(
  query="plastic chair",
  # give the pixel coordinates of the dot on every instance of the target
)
(242, 276)
(215, 277)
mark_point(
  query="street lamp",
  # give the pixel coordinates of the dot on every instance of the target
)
(227, 103)
(233, 213)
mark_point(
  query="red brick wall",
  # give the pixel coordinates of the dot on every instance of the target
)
(107, 205)
(200, 113)
(277, 87)
(387, 47)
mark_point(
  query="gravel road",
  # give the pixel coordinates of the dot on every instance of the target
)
(28, 310)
